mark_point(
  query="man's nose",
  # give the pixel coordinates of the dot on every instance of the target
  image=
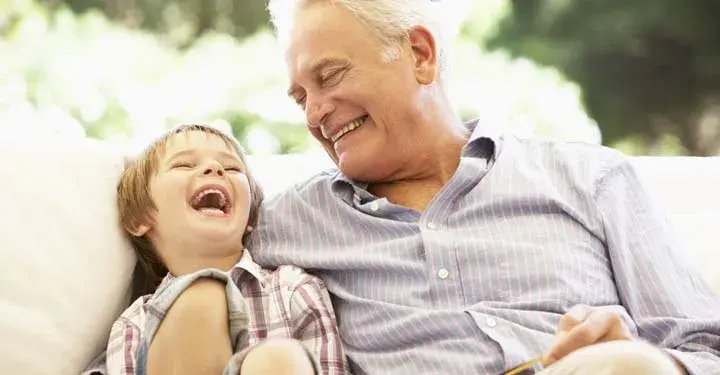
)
(317, 111)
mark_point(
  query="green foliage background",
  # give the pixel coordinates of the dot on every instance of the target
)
(644, 75)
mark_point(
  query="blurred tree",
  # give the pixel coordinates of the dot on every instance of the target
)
(182, 21)
(648, 68)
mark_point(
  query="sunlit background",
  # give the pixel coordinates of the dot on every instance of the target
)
(642, 75)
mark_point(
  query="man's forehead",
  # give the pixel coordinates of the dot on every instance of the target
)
(322, 27)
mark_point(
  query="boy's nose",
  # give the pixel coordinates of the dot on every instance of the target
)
(215, 169)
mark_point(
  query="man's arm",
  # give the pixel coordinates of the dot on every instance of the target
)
(193, 338)
(672, 305)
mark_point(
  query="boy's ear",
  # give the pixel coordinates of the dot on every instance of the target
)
(138, 230)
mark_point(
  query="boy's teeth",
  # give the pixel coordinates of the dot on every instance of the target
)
(212, 211)
(200, 196)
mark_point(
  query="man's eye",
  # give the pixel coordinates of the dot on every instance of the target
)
(332, 78)
(301, 101)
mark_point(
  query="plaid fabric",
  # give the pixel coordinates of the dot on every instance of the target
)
(262, 304)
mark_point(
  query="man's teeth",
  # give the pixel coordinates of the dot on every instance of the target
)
(348, 128)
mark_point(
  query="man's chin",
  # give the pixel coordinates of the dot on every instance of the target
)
(357, 168)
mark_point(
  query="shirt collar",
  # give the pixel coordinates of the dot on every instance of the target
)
(484, 141)
(246, 264)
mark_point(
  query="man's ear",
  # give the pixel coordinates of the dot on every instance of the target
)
(424, 51)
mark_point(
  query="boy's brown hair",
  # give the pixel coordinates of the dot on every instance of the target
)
(136, 206)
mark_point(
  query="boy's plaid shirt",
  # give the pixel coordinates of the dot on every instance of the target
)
(262, 304)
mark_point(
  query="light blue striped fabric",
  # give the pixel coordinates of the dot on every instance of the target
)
(476, 284)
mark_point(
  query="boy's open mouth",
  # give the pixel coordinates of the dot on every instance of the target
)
(211, 200)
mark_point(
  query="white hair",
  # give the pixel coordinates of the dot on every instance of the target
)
(389, 20)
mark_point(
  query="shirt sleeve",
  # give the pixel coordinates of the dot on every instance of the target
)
(671, 304)
(97, 366)
(314, 324)
(122, 348)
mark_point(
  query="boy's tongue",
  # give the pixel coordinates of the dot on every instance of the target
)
(210, 204)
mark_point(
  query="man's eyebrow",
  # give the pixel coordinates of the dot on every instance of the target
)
(316, 67)
(294, 88)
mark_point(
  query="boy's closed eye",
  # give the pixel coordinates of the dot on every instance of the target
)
(233, 168)
(187, 165)
(183, 165)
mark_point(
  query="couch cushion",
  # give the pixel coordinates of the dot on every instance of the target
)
(70, 266)
(66, 267)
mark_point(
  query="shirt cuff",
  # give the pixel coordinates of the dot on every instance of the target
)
(97, 367)
(693, 362)
(235, 363)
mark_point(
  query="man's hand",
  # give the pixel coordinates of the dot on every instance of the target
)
(583, 326)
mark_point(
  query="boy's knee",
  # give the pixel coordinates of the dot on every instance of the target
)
(617, 358)
(278, 356)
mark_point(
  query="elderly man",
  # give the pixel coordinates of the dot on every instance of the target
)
(452, 250)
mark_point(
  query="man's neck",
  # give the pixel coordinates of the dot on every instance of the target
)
(427, 177)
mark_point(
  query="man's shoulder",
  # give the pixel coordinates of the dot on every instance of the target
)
(567, 149)
(317, 184)
(568, 157)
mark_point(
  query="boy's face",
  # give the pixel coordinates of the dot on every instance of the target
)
(202, 196)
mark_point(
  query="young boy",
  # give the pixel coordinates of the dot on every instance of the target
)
(186, 204)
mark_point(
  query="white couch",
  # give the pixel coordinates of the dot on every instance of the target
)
(67, 268)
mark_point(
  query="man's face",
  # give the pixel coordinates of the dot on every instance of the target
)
(360, 107)
(201, 193)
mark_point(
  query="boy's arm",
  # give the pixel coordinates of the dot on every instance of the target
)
(193, 337)
(315, 345)
(315, 325)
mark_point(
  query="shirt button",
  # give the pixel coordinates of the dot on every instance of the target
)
(374, 206)
(491, 322)
(432, 226)
(443, 273)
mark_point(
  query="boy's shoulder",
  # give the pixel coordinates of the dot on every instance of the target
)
(135, 313)
(291, 278)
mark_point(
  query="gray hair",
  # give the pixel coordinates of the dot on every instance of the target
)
(389, 20)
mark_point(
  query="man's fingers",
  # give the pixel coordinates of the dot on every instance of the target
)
(599, 326)
(573, 317)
